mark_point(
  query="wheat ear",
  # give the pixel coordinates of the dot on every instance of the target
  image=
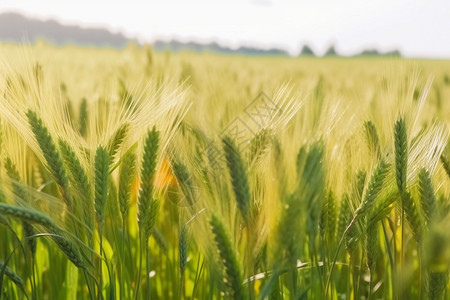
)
(232, 271)
(148, 206)
(238, 176)
(51, 155)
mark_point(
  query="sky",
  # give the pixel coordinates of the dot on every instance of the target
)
(416, 28)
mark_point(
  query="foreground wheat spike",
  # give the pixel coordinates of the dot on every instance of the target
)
(374, 188)
(83, 117)
(184, 180)
(370, 195)
(27, 214)
(80, 181)
(79, 175)
(101, 184)
(183, 246)
(232, 271)
(33, 216)
(413, 216)
(127, 175)
(117, 139)
(51, 155)
(258, 145)
(238, 177)
(372, 138)
(401, 154)
(372, 246)
(148, 206)
(69, 248)
(13, 276)
(427, 196)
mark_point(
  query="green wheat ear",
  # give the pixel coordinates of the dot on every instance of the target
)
(183, 248)
(80, 181)
(238, 176)
(148, 206)
(51, 155)
(184, 179)
(401, 154)
(101, 183)
(13, 276)
(328, 218)
(374, 188)
(33, 216)
(127, 174)
(413, 216)
(79, 176)
(372, 138)
(117, 139)
(83, 117)
(232, 271)
(427, 196)
(372, 246)
(446, 165)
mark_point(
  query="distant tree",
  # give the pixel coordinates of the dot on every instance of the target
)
(375, 53)
(370, 52)
(395, 53)
(331, 51)
(306, 51)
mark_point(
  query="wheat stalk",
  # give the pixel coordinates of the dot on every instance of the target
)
(19, 190)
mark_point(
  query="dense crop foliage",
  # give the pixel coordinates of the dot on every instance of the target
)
(136, 175)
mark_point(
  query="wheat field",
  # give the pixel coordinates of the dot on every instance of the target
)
(136, 174)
